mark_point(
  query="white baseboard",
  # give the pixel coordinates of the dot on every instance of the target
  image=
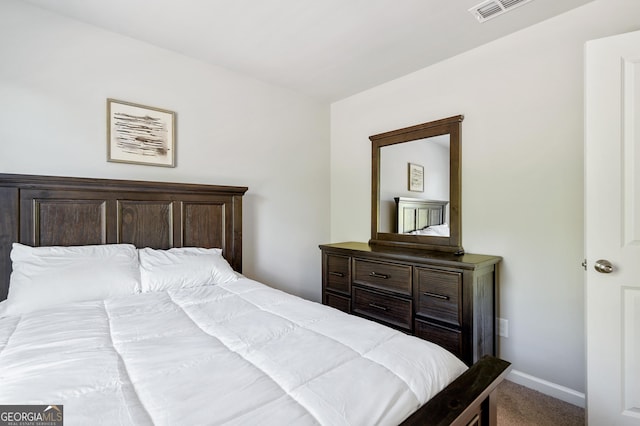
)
(552, 389)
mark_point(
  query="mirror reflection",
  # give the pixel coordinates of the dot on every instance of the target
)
(414, 187)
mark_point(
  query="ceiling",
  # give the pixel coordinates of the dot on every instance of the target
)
(327, 49)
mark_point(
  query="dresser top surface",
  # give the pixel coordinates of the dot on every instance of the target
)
(467, 260)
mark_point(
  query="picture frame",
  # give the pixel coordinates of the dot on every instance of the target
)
(140, 134)
(416, 177)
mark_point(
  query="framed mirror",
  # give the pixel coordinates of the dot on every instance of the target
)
(416, 186)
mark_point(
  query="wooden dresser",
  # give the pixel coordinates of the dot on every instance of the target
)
(437, 296)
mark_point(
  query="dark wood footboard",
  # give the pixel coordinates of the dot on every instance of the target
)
(468, 400)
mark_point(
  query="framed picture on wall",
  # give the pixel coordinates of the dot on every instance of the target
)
(416, 177)
(139, 134)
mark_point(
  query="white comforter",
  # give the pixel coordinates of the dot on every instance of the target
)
(238, 353)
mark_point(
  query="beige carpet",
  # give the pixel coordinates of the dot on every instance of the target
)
(518, 405)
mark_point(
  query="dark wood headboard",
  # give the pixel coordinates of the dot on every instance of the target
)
(47, 210)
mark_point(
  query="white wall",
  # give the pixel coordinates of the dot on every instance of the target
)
(522, 171)
(55, 77)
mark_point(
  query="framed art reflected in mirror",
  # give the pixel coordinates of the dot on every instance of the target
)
(416, 178)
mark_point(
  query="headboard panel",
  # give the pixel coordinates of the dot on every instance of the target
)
(46, 210)
(414, 213)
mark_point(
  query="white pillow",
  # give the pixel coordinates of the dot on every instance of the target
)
(183, 267)
(47, 276)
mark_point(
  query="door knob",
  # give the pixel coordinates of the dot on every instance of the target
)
(603, 266)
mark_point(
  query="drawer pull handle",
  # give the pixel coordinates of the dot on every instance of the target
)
(437, 296)
(375, 305)
(377, 275)
(337, 274)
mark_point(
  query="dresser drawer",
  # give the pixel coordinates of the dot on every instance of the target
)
(338, 270)
(449, 339)
(339, 302)
(385, 308)
(439, 295)
(387, 276)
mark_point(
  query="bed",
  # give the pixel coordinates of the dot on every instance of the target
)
(172, 339)
(421, 217)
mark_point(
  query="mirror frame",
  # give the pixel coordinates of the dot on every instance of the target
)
(452, 243)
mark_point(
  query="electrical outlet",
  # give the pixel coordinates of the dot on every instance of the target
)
(503, 327)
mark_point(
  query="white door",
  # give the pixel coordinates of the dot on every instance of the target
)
(612, 229)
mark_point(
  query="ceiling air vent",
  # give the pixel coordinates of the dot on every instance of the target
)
(492, 8)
